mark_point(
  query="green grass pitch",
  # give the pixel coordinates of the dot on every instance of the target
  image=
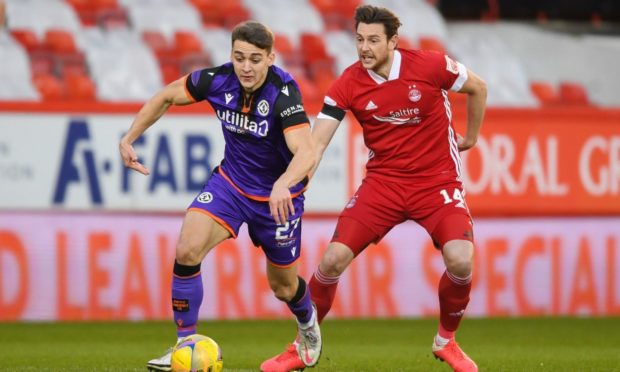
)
(540, 344)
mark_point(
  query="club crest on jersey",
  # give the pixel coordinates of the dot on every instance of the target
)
(263, 107)
(451, 65)
(205, 198)
(351, 202)
(414, 95)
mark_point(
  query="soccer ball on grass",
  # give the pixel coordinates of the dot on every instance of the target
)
(196, 353)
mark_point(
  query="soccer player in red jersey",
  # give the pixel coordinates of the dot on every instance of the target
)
(413, 172)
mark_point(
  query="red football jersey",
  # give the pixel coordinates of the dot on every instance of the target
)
(406, 119)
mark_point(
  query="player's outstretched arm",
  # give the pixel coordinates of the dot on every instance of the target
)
(476, 90)
(173, 94)
(299, 142)
(322, 134)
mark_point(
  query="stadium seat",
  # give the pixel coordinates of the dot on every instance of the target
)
(194, 62)
(100, 12)
(572, 93)
(166, 17)
(186, 43)
(323, 79)
(84, 10)
(405, 43)
(170, 72)
(234, 12)
(334, 13)
(287, 17)
(431, 43)
(309, 93)
(112, 18)
(59, 41)
(27, 38)
(155, 40)
(216, 41)
(286, 50)
(346, 10)
(315, 55)
(79, 88)
(122, 66)
(42, 62)
(221, 13)
(50, 87)
(70, 64)
(545, 93)
(457, 99)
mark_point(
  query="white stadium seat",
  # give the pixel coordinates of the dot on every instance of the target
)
(15, 72)
(122, 66)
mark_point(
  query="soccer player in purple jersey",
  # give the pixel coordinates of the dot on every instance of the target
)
(260, 181)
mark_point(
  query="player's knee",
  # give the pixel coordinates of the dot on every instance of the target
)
(458, 259)
(460, 268)
(283, 292)
(187, 254)
(335, 261)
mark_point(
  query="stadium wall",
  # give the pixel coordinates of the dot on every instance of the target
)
(81, 238)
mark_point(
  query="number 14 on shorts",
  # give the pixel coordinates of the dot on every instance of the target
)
(456, 195)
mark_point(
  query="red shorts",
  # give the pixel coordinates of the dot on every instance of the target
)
(379, 205)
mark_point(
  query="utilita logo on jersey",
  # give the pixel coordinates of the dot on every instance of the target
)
(240, 123)
(81, 167)
(400, 117)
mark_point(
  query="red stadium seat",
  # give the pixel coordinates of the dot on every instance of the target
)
(572, 93)
(70, 64)
(42, 62)
(170, 72)
(90, 11)
(331, 17)
(80, 88)
(233, 13)
(405, 43)
(155, 40)
(84, 9)
(50, 87)
(59, 41)
(431, 43)
(221, 13)
(312, 47)
(27, 38)
(545, 93)
(346, 9)
(315, 57)
(105, 4)
(194, 62)
(112, 18)
(309, 93)
(186, 43)
(287, 51)
(323, 79)
(457, 99)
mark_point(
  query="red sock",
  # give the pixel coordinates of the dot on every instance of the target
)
(453, 299)
(323, 292)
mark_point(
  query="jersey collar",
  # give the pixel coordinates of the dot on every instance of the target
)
(394, 70)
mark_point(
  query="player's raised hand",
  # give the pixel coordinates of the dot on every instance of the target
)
(281, 203)
(130, 159)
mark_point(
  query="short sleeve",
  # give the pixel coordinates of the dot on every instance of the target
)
(451, 75)
(198, 83)
(289, 107)
(336, 101)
